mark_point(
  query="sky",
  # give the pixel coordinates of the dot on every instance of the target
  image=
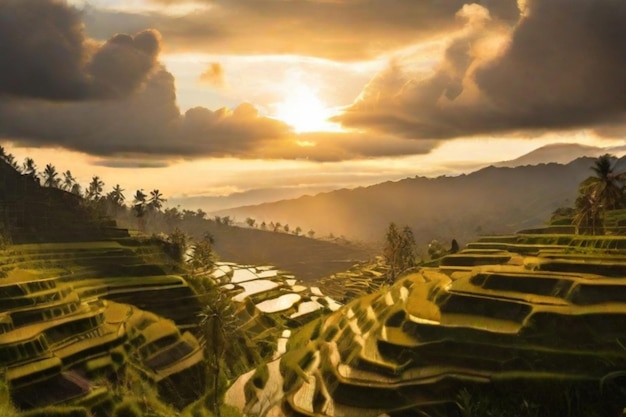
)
(212, 97)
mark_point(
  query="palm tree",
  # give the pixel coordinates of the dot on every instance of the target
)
(202, 255)
(50, 177)
(220, 327)
(156, 200)
(30, 168)
(607, 185)
(588, 216)
(117, 195)
(139, 207)
(8, 158)
(599, 193)
(95, 188)
(11, 161)
(68, 181)
(139, 198)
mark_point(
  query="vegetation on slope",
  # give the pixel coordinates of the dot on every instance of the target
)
(50, 204)
(227, 347)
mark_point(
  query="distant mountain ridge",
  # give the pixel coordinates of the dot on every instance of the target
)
(560, 153)
(490, 200)
(244, 198)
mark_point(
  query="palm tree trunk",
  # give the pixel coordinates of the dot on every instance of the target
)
(216, 369)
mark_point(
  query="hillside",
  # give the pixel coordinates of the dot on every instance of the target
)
(96, 322)
(31, 213)
(529, 324)
(491, 200)
(306, 258)
(246, 198)
(90, 317)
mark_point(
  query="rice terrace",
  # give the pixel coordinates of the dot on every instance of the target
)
(312, 208)
(99, 320)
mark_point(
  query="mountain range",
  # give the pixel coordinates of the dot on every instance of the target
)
(560, 153)
(490, 200)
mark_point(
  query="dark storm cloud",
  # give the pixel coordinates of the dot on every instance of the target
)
(566, 64)
(60, 88)
(563, 66)
(123, 62)
(148, 122)
(147, 129)
(41, 50)
(45, 54)
(339, 29)
(114, 100)
(148, 126)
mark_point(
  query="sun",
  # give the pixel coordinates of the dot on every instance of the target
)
(304, 111)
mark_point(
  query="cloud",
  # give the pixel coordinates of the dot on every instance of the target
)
(565, 64)
(45, 54)
(148, 126)
(42, 50)
(213, 75)
(562, 66)
(130, 162)
(148, 122)
(111, 99)
(344, 146)
(348, 30)
(612, 129)
(123, 63)
(114, 99)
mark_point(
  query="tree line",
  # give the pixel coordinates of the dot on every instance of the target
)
(143, 211)
(277, 227)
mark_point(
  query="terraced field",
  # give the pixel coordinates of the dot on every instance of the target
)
(270, 303)
(76, 315)
(536, 318)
